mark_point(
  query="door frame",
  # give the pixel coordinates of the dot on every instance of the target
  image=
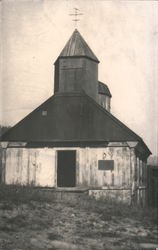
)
(76, 167)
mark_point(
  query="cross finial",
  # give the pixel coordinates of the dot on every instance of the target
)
(76, 13)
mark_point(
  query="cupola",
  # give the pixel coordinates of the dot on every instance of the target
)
(76, 68)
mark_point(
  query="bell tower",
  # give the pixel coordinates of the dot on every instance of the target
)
(76, 68)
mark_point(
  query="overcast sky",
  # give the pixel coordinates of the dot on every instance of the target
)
(122, 34)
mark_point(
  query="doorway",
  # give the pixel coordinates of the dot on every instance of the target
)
(66, 168)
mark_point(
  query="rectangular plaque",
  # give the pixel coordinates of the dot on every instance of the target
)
(106, 165)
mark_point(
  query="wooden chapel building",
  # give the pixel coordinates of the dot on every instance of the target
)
(73, 140)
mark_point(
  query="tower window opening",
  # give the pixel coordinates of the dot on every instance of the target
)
(44, 112)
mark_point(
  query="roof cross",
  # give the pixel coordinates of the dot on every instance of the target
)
(76, 13)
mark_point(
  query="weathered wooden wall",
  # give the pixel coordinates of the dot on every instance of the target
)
(1, 164)
(152, 183)
(104, 101)
(38, 166)
(139, 179)
(90, 175)
(77, 74)
(30, 167)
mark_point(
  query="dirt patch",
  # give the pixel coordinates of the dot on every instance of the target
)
(30, 224)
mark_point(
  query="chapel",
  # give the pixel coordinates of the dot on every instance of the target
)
(72, 140)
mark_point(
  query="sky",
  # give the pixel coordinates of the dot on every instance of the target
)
(122, 34)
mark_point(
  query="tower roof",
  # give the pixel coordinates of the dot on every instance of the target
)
(77, 47)
(103, 89)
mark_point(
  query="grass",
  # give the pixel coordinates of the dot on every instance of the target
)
(22, 195)
(105, 208)
(108, 209)
(32, 218)
(54, 236)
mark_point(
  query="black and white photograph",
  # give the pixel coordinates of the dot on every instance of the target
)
(78, 125)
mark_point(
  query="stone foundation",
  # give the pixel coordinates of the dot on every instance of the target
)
(120, 195)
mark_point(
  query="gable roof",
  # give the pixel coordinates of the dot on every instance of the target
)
(71, 117)
(77, 47)
(103, 89)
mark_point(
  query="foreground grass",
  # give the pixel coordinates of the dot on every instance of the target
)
(32, 219)
(15, 195)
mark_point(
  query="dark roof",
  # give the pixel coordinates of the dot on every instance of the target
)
(103, 89)
(77, 47)
(67, 118)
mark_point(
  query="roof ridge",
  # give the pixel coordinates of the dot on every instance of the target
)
(18, 123)
(85, 44)
(121, 124)
(115, 119)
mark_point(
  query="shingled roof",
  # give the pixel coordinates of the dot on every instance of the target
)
(77, 47)
(103, 89)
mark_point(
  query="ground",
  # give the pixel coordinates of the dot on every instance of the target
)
(32, 220)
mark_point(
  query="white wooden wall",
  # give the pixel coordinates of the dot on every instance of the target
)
(89, 175)
(39, 166)
(30, 166)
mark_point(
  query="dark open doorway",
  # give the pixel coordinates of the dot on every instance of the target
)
(66, 170)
